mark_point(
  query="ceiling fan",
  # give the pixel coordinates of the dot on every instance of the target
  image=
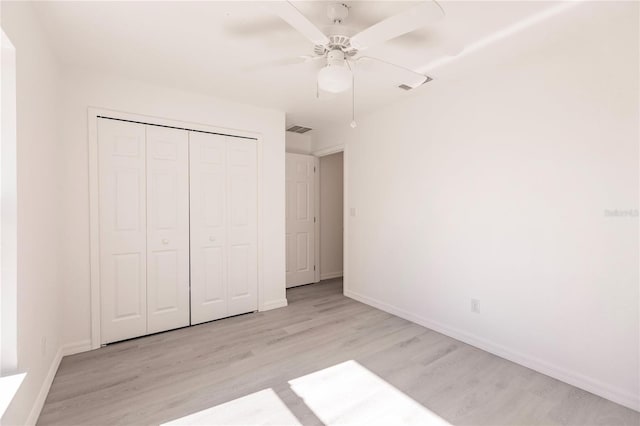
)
(342, 51)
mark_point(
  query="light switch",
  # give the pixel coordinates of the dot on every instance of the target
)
(353, 212)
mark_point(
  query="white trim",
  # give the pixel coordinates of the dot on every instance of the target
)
(64, 350)
(328, 151)
(345, 218)
(330, 275)
(161, 121)
(76, 347)
(345, 206)
(273, 304)
(8, 210)
(94, 208)
(94, 227)
(316, 213)
(596, 387)
(44, 390)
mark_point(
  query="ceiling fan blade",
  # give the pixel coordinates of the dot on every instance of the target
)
(396, 25)
(409, 78)
(295, 60)
(452, 48)
(297, 20)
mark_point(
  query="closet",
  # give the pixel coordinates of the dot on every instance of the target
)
(177, 227)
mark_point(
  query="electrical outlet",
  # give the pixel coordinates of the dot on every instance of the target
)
(475, 306)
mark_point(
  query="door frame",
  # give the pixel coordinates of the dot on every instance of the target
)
(316, 215)
(94, 208)
(345, 207)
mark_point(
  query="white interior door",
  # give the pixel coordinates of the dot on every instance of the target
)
(223, 226)
(167, 228)
(122, 176)
(300, 219)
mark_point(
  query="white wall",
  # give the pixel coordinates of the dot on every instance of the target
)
(298, 143)
(494, 186)
(9, 208)
(39, 210)
(331, 215)
(84, 90)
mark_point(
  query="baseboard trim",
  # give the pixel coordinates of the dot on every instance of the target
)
(76, 347)
(44, 389)
(64, 350)
(578, 380)
(330, 275)
(273, 304)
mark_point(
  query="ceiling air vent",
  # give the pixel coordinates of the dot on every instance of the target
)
(298, 129)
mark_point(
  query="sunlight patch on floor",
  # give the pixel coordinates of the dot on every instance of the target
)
(348, 393)
(259, 408)
(343, 394)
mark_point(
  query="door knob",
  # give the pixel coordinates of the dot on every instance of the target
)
(165, 241)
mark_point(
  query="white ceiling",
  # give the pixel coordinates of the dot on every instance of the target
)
(217, 48)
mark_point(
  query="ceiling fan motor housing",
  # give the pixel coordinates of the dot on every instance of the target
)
(335, 57)
(336, 42)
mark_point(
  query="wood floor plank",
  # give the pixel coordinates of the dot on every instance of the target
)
(167, 376)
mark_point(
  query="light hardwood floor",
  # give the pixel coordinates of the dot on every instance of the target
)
(164, 377)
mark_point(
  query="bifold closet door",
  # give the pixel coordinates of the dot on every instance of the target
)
(223, 188)
(123, 229)
(242, 226)
(167, 228)
(144, 229)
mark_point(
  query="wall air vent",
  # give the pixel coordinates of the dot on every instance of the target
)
(407, 87)
(298, 129)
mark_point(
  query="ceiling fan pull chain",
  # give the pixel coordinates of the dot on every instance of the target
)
(353, 102)
(353, 123)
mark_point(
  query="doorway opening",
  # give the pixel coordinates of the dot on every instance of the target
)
(331, 216)
(314, 217)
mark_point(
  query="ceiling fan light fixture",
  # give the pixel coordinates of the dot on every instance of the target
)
(334, 78)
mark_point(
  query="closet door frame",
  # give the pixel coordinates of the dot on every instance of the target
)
(93, 115)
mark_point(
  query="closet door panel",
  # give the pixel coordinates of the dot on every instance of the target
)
(122, 199)
(242, 230)
(209, 256)
(167, 228)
